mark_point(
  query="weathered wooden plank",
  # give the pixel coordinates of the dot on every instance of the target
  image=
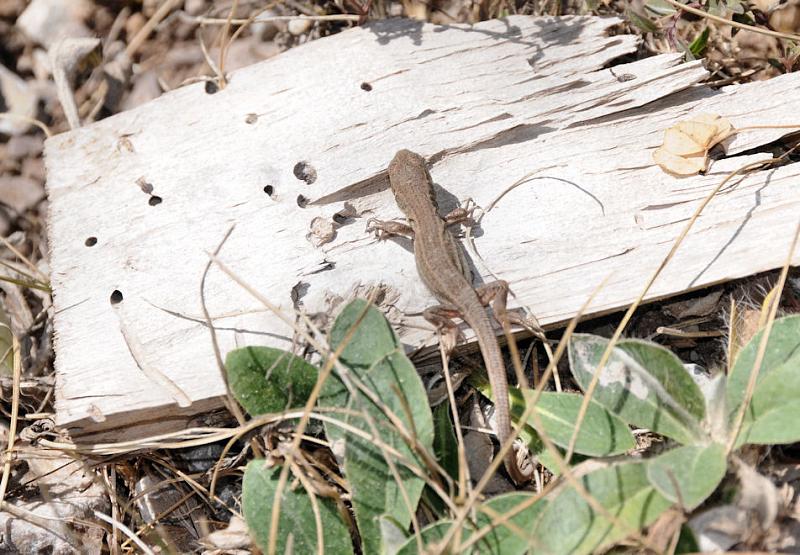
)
(489, 104)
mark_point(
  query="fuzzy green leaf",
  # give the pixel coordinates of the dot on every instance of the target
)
(688, 474)
(643, 383)
(376, 360)
(266, 380)
(296, 525)
(501, 540)
(773, 416)
(569, 524)
(602, 434)
(640, 21)
(783, 349)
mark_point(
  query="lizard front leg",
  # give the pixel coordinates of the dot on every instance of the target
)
(388, 228)
(461, 214)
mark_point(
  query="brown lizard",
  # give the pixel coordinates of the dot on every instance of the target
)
(443, 268)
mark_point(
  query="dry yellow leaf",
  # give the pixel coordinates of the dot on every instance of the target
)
(688, 137)
(680, 165)
(686, 144)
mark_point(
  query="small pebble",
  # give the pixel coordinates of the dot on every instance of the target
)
(194, 7)
(299, 27)
(135, 22)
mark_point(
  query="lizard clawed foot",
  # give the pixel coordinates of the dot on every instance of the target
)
(469, 206)
(524, 462)
(462, 214)
(526, 321)
(449, 337)
(374, 225)
(384, 229)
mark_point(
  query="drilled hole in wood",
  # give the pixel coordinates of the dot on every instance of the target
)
(211, 87)
(302, 201)
(366, 86)
(346, 215)
(305, 172)
(116, 297)
(269, 189)
(90, 241)
(155, 200)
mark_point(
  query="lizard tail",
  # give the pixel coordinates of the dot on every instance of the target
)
(496, 369)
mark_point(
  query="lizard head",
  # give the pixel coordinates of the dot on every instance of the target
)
(410, 182)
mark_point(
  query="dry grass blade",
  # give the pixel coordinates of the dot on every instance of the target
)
(139, 38)
(12, 429)
(224, 43)
(463, 468)
(24, 259)
(24, 283)
(132, 536)
(32, 121)
(230, 402)
(312, 497)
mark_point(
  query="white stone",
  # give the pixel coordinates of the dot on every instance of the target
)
(20, 100)
(48, 21)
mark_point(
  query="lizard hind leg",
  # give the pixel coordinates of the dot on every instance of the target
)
(495, 293)
(441, 317)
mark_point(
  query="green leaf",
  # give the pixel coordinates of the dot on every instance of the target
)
(531, 437)
(640, 21)
(373, 340)
(716, 7)
(296, 519)
(548, 460)
(501, 540)
(6, 342)
(777, 64)
(736, 6)
(698, 45)
(266, 380)
(687, 542)
(773, 416)
(744, 17)
(602, 434)
(445, 449)
(643, 383)
(375, 358)
(783, 349)
(590, 6)
(569, 524)
(527, 434)
(689, 474)
(659, 8)
(445, 444)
